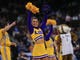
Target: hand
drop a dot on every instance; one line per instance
(14, 23)
(31, 48)
(14, 44)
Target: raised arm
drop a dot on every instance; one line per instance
(30, 27)
(6, 28)
(43, 25)
(47, 36)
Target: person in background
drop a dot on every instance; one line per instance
(5, 42)
(49, 43)
(64, 42)
(22, 56)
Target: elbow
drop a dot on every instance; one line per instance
(46, 38)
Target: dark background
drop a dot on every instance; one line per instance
(64, 5)
(71, 7)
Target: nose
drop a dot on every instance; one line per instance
(35, 22)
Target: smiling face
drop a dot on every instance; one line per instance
(35, 22)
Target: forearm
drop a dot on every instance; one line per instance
(55, 45)
(13, 43)
(24, 57)
(6, 28)
(43, 25)
(30, 27)
(9, 44)
(47, 36)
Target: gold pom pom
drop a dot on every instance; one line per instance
(28, 5)
(51, 21)
(32, 8)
